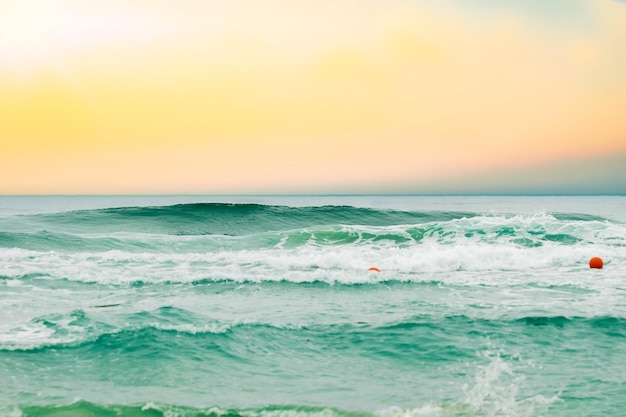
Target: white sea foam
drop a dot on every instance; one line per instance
(31, 336)
(465, 262)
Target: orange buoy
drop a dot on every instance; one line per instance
(596, 262)
(374, 269)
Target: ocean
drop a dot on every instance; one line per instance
(265, 306)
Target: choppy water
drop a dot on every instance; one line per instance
(263, 307)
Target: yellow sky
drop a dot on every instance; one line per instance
(252, 96)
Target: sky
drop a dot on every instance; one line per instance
(312, 96)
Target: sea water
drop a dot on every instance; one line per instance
(266, 307)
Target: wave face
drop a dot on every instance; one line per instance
(480, 308)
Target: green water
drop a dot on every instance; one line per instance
(482, 307)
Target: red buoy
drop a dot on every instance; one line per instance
(374, 269)
(596, 262)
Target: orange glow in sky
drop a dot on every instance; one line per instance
(302, 96)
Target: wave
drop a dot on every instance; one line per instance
(203, 228)
(470, 407)
(85, 408)
(226, 219)
(176, 329)
(244, 219)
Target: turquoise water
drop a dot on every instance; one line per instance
(265, 307)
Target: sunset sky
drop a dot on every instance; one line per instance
(312, 96)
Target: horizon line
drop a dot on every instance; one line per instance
(328, 195)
